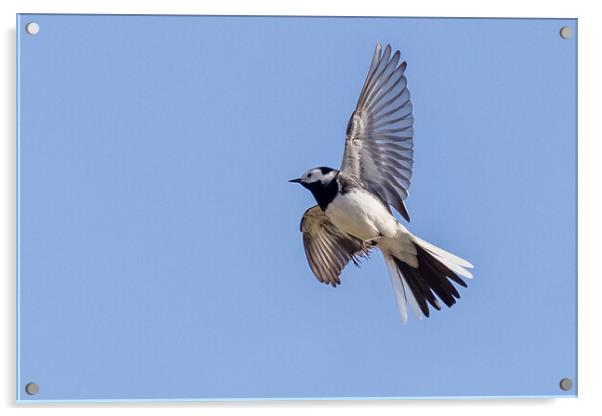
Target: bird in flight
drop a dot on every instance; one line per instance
(353, 212)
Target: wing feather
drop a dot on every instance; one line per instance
(379, 144)
(328, 250)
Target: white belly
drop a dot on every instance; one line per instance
(362, 215)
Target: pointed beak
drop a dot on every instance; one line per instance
(298, 180)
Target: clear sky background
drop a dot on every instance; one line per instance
(159, 252)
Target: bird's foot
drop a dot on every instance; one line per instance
(368, 244)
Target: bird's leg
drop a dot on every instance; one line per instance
(368, 244)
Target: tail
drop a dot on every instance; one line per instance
(431, 272)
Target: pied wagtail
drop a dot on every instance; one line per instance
(353, 212)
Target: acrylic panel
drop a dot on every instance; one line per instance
(159, 248)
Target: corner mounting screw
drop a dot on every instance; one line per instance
(565, 32)
(32, 28)
(566, 384)
(32, 389)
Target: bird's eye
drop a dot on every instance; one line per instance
(309, 175)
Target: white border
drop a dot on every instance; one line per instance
(590, 276)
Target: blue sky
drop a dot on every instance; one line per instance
(160, 253)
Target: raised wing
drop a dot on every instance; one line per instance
(379, 144)
(328, 250)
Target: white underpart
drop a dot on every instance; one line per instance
(362, 215)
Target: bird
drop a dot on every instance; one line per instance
(353, 213)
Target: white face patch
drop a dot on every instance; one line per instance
(315, 175)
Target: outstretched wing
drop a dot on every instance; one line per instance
(379, 143)
(328, 250)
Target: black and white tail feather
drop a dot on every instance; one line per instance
(417, 286)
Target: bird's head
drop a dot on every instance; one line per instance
(316, 178)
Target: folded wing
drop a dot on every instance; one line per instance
(328, 250)
(379, 142)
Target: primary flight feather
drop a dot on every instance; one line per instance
(353, 213)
